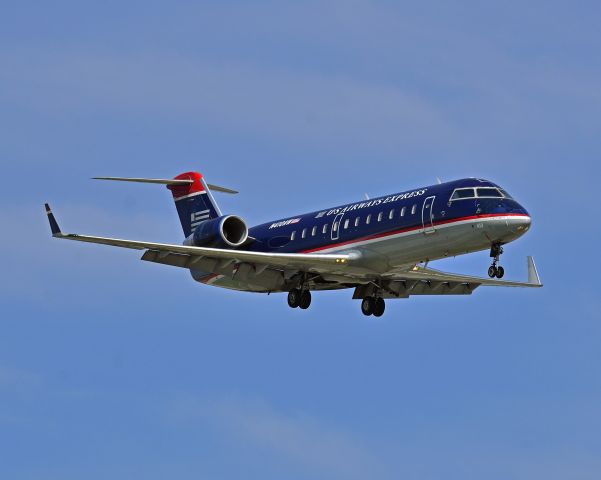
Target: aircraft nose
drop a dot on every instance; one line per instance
(520, 224)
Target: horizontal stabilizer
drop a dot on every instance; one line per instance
(161, 181)
(217, 188)
(166, 181)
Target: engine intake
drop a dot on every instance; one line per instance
(228, 231)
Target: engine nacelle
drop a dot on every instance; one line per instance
(228, 231)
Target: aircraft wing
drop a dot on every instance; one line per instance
(428, 281)
(189, 255)
(431, 275)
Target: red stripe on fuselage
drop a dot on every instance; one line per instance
(404, 230)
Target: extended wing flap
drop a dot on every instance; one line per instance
(167, 258)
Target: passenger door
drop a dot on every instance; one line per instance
(336, 224)
(428, 215)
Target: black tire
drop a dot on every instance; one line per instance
(305, 299)
(492, 271)
(294, 298)
(500, 272)
(379, 307)
(367, 306)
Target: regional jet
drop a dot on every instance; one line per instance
(378, 247)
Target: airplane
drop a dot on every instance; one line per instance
(379, 247)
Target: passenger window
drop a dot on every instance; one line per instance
(462, 193)
(413, 208)
(391, 214)
(293, 236)
(403, 211)
(357, 221)
(346, 222)
(489, 193)
(325, 228)
(314, 231)
(380, 217)
(304, 234)
(368, 219)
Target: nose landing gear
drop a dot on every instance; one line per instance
(496, 270)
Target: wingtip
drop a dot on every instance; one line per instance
(533, 277)
(54, 228)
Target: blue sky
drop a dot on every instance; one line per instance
(111, 367)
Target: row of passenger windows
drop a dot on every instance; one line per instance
(347, 223)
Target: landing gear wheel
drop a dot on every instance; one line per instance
(367, 306)
(496, 250)
(379, 307)
(294, 298)
(305, 299)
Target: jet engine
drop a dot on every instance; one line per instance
(228, 231)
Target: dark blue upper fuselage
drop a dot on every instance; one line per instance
(414, 209)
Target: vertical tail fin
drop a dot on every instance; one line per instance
(192, 195)
(194, 201)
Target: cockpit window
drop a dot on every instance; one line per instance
(489, 193)
(462, 193)
(505, 194)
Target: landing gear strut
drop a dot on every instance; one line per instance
(496, 270)
(299, 298)
(373, 306)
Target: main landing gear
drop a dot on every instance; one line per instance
(373, 306)
(496, 270)
(299, 298)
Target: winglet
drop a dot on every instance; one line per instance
(533, 277)
(54, 228)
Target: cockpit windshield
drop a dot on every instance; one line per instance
(489, 193)
(463, 193)
(479, 192)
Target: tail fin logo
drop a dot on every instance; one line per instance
(193, 201)
(197, 217)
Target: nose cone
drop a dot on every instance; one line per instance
(519, 224)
